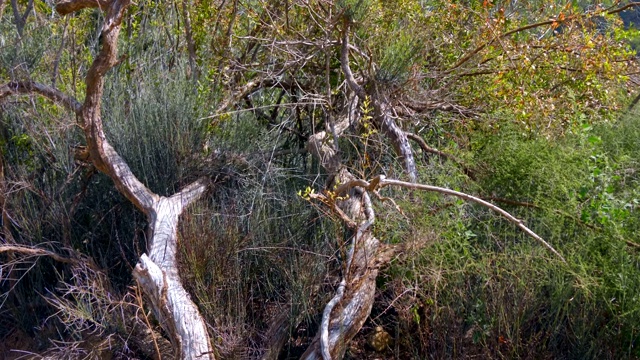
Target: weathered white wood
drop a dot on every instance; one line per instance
(325, 343)
(382, 110)
(157, 272)
(345, 314)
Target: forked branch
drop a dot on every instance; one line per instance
(380, 181)
(383, 110)
(156, 272)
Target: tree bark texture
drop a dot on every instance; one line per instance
(345, 314)
(382, 110)
(348, 310)
(158, 276)
(156, 272)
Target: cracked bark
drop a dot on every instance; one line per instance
(345, 314)
(156, 271)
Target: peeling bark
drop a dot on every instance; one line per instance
(345, 314)
(156, 272)
(158, 276)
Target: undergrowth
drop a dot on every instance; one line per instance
(483, 288)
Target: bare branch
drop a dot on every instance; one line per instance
(344, 62)
(243, 92)
(33, 251)
(345, 314)
(380, 181)
(426, 148)
(104, 157)
(191, 192)
(30, 87)
(65, 7)
(326, 316)
(623, 8)
(519, 223)
(56, 61)
(383, 111)
(467, 57)
(319, 146)
(21, 20)
(157, 273)
(250, 88)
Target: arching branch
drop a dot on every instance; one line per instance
(104, 157)
(380, 181)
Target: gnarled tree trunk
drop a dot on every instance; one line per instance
(158, 275)
(345, 314)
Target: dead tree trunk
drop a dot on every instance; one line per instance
(156, 272)
(158, 276)
(345, 314)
